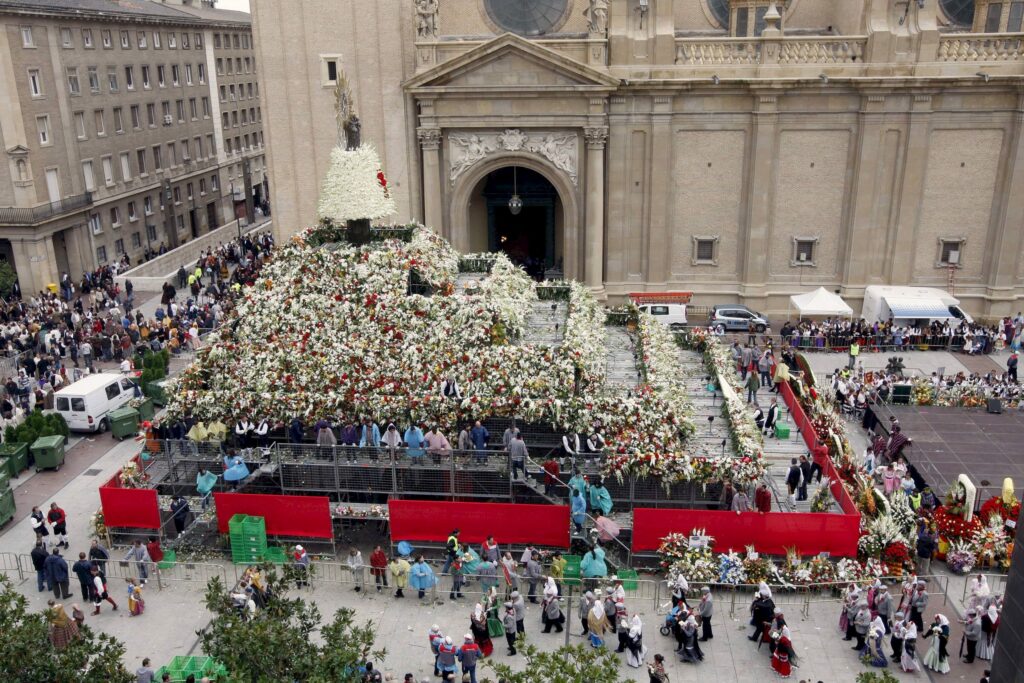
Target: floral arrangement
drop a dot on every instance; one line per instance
(659, 363)
(374, 511)
(731, 569)
(697, 564)
(902, 514)
(878, 535)
(991, 542)
(960, 558)
(996, 505)
(584, 340)
(352, 190)
(956, 500)
(896, 556)
(97, 525)
(954, 527)
(822, 500)
(132, 477)
(757, 568)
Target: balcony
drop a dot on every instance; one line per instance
(10, 215)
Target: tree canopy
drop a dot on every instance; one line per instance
(567, 664)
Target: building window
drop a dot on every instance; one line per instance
(142, 40)
(136, 118)
(1016, 18)
(193, 108)
(220, 66)
(118, 120)
(65, 37)
(119, 246)
(223, 93)
(231, 92)
(115, 217)
(231, 67)
(210, 146)
(136, 240)
(202, 73)
(226, 120)
(803, 251)
(995, 11)
(951, 252)
(184, 41)
(95, 223)
(87, 174)
(172, 40)
(180, 105)
(151, 114)
(101, 252)
(206, 107)
(157, 158)
(245, 42)
(80, 132)
(126, 40)
(27, 39)
(227, 145)
(166, 110)
(172, 155)
(245, 117)
(185, 155)
(73, 86)
(214, 183)
(332, 71)
(216, 40)
(101, 126)
(94, 80)
(705, 251)
(126, 166)
(234, 40)
(141, 159)
(160, 75)
(43, 126)
(35, 83)
(246, 61)
(129, 77)
(199, 148)
(188, 74)
(199, 41)
(132, 213)
(112, 79)
(145, 78)
(151, 232)
(147, 205)
(156, 40)
(202, 186)
(105, 37)
(175, 75)
(180, 222)
(108, 170)
(87, 38)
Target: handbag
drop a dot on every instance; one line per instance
(495, 628)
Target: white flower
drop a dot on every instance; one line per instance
(351, 190)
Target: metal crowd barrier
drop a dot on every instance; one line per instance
(996, 585)
(119, 569)
(10, 564)
(841, 343)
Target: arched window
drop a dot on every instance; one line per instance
(527, 17)
(959, 11)
(22, 169)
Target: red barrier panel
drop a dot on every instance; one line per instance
(295, 516)
(136, 508)
(810, 532)
(423, 520)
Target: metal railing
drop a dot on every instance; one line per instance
(10, 215)
(996, 585)
(10, 564)
(177, 572)
(840, 343)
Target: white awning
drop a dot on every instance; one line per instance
(820, 302)
(914, 308)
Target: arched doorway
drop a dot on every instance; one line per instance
(532, 238)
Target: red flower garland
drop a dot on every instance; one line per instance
(995, 505)
(954, 527)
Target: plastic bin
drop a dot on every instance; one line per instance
(48, 452)
(146, 410)
(276, 555)
(5, 479)
(123, 422)
(170, 557)
(156, 392)
(628, 577)
(6, 506)
(781, 431)
(17, 457)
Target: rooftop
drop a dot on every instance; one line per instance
(131, 9)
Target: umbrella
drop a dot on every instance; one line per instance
(607, 529)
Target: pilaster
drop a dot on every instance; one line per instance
(755, 234)
(430, 147)
(659, 245)
(901, 260)
(596, 138)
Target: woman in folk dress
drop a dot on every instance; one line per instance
(937, 657)
(136, 605)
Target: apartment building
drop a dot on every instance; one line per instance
(111, 119)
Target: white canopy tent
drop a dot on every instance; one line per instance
(820, 302)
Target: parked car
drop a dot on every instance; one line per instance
(734, 317)
(86, 403)
(673, 315)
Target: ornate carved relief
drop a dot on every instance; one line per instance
(561, 148)
(430, 138)
(596, 137)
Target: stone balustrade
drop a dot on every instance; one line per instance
(823, 50)
(716, 51)
(982, 47)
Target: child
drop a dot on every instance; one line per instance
(136, 605)
(77, 614)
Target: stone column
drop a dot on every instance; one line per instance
(900, 261)
(761, 183)
(594, 262)
(430, 145)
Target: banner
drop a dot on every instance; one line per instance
(293, 516)
(135, 508)
(810, 532)
(427, 520)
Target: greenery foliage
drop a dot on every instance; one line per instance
(36, 425)
(7, 278)
(27, 657)
(567, 664)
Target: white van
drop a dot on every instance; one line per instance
(911, 304)
(673, 315)
(86, 403)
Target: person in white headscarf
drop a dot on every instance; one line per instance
(679, 588)
(550, 588)
(908, 660)
(989, 625)
(636, 652)
(979, 593)
(597, 623)
(937, 657)
(764, 590)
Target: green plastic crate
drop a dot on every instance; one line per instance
(275, 555)
(628, 577)
(170, 557)
(180, 667)
(781, 431)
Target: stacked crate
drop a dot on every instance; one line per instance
(248, 537)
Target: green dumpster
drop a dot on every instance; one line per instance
(146, 409)
(6, 506)
(155, 391)
(48, 452)
(124, 422)
(5, 479)
(17, 457)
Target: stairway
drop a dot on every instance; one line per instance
(621, 371)
(464, 279)
(709, 435)
(545, 325)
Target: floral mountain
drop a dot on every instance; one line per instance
(332, 330)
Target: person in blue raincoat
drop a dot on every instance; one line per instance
(422, 577)
(205, 481)
(600, 499)
(415, 440)
(593, 567)
(579, 509)
(235, 469)
(578, 482)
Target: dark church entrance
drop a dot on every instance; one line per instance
(530, 237)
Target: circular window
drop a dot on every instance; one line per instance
(527, 17)
(720, 10)
(959, 11)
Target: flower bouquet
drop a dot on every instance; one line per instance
(731, 569)
(757, 568)
(97, 525)
(960, 557)
(990, 543)
(996, 505)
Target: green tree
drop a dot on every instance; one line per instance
(7, 278)
(27, 657)
(567, 664)
(278, 644)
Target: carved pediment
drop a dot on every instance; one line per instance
(17, 151)
(511, 62)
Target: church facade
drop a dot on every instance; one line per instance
(743, 150)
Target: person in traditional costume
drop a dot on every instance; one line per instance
(875, 652)
(989, 626)
(978, 592)
(63, 629)
(762, 611)
(597, 624)
(478, 627)
(551, 610)
(908, 660)
(937, 657)
(690, 651)
(136, 605)
(781, 656)
(850, 598)
(894, 446)
(635, 645)
(899, 631)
